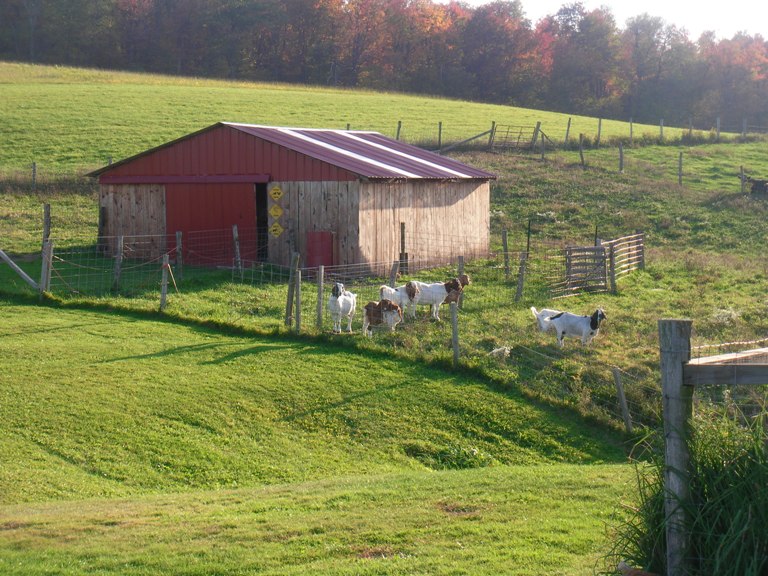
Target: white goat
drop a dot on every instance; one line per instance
(542, 316)
(500, 354)
(573, 326)
(404, 296)
(341, 304)
(383, 312)
(435, 294)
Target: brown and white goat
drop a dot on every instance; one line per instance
(404, 296)
(438, 293)
(384, 312)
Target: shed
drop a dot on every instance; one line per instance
(338, 197)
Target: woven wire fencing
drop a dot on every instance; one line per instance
(210, 275)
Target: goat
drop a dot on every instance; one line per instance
(402, 295)
(382, 312)
(584, 327)
(500, 353)
(435, 294)
(543, 315)
(341, 304)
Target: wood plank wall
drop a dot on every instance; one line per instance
(443, 220)
(136, 212)
(315, 206)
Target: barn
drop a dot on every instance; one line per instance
(337, 197)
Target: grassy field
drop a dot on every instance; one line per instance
(71, 120)
(114, 430)
(212, 441)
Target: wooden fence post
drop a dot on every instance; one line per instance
(320, 286)
(535, 135)
(393, 273)
(581, 149)
(460, 272)
(297, 292)
(567, 132)
(291, 287)
(505, 247)
(164, 282)
(492, 136)
(46, 223)
(612, 266)
(677, 403)
(455, 333)
(641, 248)
(179, 257)
(599, 132)
(236, 244)
(439, 137)
(118, 264)
(521, 276)
(622, 399)
(45, 273)
(403, 252)
(399, 126)
(680, 169)
(621, 158)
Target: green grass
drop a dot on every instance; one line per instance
(67, 119)
(517, 520)
(306, 441)
(132, 420)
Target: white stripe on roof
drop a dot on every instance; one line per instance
(404, 155)
(347, 153)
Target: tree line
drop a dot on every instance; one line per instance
(575, 60)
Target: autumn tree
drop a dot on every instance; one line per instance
(585, 61)
(499, 51)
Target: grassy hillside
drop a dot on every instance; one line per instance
(362, 451)
(71, 120)
(232, 449)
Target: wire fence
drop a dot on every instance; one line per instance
(208, 266)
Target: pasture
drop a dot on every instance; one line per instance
(133, 446)
(70, 120)
(210, 439)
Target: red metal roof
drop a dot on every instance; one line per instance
(367, 154)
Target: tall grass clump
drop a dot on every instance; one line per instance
(728, 507)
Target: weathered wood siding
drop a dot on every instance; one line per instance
(443, 220)
(136, 212)
(314, 206)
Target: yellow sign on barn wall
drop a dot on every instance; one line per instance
(276, 193)
(276, 229)
(276, 211)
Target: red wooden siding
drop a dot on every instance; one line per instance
(213, 209)
(225, 151)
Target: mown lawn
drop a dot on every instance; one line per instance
(138, 446)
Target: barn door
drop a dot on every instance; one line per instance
(262, 223)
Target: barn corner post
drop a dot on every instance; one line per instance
(677, 407)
